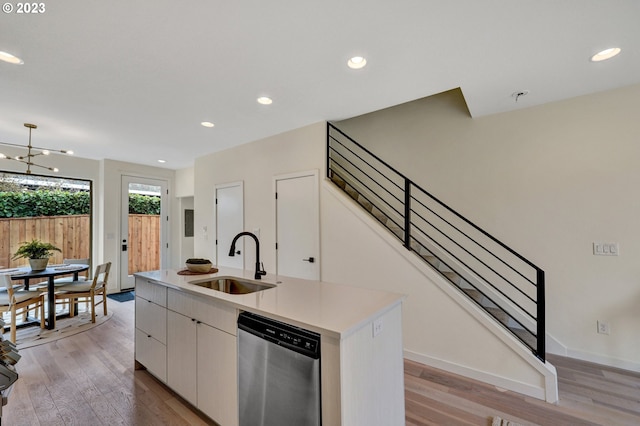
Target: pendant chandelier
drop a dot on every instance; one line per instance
(32, 151)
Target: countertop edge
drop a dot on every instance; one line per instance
(384, 301)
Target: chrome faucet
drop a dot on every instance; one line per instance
(232, 251)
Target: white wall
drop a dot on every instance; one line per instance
(548, 181)
(185, 249)
(184, 182)
(353, 254)
(256, 164)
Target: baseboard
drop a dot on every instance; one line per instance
(601, 359)
(555, 347)
(500, 382)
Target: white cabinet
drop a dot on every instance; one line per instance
(151, 327)
(151, 354)
(217, 375)
(202, 355)
(181, 356)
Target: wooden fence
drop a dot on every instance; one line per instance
(71, 235)
(144, 242)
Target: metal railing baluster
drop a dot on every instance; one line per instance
(467, 243)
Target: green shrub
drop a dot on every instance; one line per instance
(64, 203)
(144, 204)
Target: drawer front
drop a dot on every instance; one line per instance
(151, 319)
(152, 291)
(209, 311)
(152, 354)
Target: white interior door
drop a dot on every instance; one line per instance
(229, 213)
(297, 225)
(136, 253)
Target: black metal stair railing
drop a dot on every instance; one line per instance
(502, 282)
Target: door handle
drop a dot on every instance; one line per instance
(310, 260)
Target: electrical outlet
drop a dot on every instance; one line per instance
(377, 326)
(603, 327)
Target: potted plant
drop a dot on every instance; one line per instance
(37, 252)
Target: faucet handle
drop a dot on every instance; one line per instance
(262, 271)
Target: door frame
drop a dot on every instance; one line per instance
(126, 281)
(315, 173)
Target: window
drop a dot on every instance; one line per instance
(51, 209)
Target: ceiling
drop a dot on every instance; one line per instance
(132, 80)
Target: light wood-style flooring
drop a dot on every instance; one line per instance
(89, 379)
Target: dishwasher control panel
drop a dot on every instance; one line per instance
(294, 338)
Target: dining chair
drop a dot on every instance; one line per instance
(58, 282)
(66, 280)
(19, 302)
(86, 291)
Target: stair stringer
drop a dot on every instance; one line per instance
(518, 321)
(549, 392)
(476, 282)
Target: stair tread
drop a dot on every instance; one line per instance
(498, 314)
(451, 276)
(474, 294)
(338, 181)
(529, 338)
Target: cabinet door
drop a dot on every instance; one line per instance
(217, 375)
(151, 319)
(152, 291)
(217, 314)
(181, 355)
(152, 354)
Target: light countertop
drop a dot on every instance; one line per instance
(326, 308)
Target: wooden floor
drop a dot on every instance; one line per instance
(89, 379)
(590, 394)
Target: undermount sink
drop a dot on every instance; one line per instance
(232, 285)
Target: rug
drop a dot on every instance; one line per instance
(27, 337)
(122, 297)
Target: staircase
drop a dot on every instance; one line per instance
(508, 287)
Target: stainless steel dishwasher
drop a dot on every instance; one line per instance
(278, 373)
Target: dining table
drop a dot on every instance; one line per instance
(50, 273)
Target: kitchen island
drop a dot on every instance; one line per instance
(186, 337)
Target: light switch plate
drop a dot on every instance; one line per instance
(606, 249)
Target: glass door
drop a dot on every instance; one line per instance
(143, 236)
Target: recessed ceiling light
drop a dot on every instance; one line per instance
(357, 62)
(265, 100)
(8, 57)
(605, 54)
(207, 124)
(162, 161)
